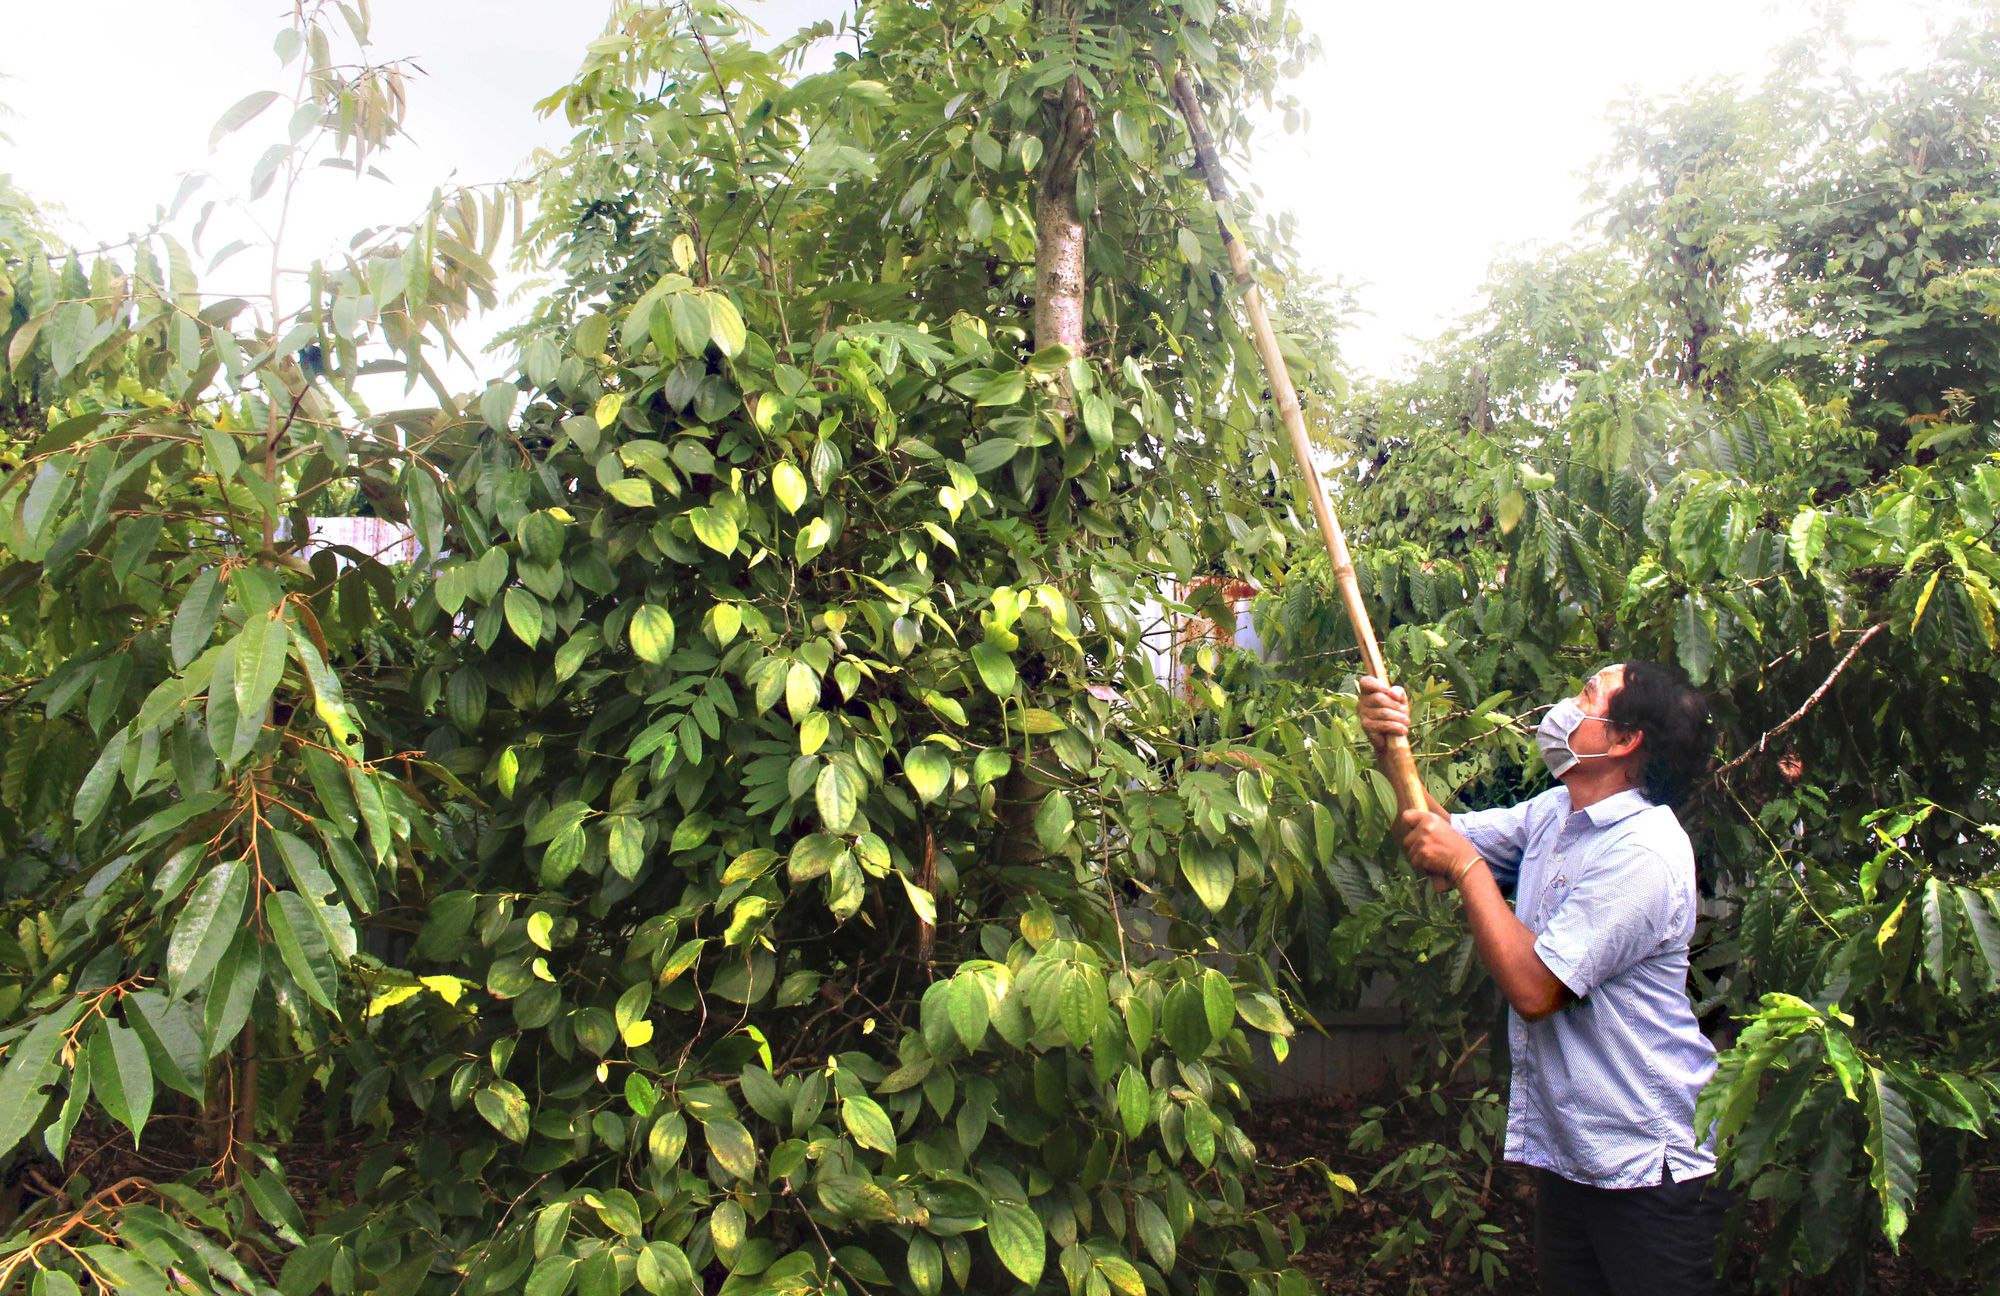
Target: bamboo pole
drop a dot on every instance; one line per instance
(1397, 761)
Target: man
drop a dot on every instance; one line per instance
(1593, 958)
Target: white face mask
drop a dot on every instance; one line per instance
(1553, 735)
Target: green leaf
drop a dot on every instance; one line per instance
(1210, 870)
(260, 663)
(206, 925)
(274, 1203)
(854, 1197)
(505, 1108)
(1003, 389)
(966, 1008)
(926, 1263)
(929, 771)
(1135, 1103)
(1218, 1001)
(733, 1148)
(1185, 1021)
(302, 945)
(869, 1124)
(996, 669)
(1018, 1240)
(1892, 1153)
(837, 791)
(652, 633)
(33, 1063)
(1694, 638)
(714, 528)
(94, 793)
(194, 623)
(329, 703)
(173, 1044)
(121, 1077)
(1190, 245)
(1053, 821)
(1155, 1233)
(1081, 1003)
(524, 615)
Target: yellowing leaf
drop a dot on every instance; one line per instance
(652, 633)
(725, 323)
(788, 485)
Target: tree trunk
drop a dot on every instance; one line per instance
(1059, 239)
(1059, 286)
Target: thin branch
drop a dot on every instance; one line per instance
(1757, 748)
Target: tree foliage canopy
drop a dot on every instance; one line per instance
(1749, 429)
(749, 846)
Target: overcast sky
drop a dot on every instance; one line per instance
(1442, 134)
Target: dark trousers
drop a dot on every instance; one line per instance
(1658, 1241)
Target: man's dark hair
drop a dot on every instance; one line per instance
(1659, 702)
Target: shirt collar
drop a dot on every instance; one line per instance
(1617, 806)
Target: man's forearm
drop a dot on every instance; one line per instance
(1507, 948)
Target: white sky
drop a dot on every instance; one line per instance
(1443, 133)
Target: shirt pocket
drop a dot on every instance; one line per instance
(1554, 892)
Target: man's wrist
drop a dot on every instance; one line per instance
(1458, 874)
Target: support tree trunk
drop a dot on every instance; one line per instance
(1058, 319)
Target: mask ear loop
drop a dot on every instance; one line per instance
(1584, 756)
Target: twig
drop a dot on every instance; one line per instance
(1757, 748)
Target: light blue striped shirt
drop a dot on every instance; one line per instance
(1604, 1089)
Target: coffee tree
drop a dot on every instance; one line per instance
(749, 847)
(1749, 430)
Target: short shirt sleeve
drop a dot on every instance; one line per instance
(1501, 837)
(1617, 913)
